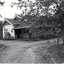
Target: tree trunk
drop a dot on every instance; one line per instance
(62, 30)
(62, 27)
(63, 39)
(45, 33)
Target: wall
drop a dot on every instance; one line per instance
(26, 35)
(37, 32)
(1, 32)
(9, 29)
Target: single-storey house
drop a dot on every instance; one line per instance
(8, 26)
(32, 27)
(26, 27)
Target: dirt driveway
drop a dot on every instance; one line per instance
(25, 52)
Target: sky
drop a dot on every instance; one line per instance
(8, 12)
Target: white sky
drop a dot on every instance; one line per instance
(7, 11)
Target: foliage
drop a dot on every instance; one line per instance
(40, 7)
(7, 35)
(1, 3)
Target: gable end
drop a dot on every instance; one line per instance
(6, 23)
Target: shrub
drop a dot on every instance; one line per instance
(7, 35)
(12, 38)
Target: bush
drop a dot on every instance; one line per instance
(7, 36)
(12, 38)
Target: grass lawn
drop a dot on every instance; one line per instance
(57, 52)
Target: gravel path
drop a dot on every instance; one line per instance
(24, 52)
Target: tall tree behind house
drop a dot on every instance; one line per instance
(61, 10)
(1, 22)
(1, 30)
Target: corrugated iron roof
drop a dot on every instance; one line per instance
(32, 21)
(14, 22)
(29, 21)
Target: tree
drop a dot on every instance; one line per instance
(1, 4)
(61, 10)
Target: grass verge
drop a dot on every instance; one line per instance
(57, 52)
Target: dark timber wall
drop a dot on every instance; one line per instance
(1, 30)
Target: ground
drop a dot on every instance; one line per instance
(26, 51)
(57, 52)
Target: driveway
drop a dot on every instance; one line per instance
(25, 52)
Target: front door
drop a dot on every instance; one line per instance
(18, 32)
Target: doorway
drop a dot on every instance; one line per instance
(18, 33)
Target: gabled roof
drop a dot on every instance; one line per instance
(19, 16)
(12, 21)
(33, 21)
(23, 25)
(6, 23)
(26, 22)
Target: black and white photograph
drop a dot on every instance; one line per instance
(32, 31)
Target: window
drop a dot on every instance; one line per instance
(5, 30)
(27, 31)
(46, 29)
(24, 30)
